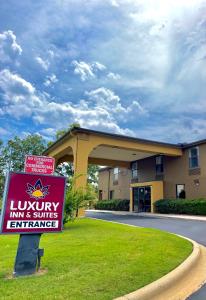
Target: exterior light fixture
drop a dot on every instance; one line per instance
(197, 182)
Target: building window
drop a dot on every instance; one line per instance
(180, 191)
(100, 194)
(116, 175)
(194, 157)
(111, 195)
(159, 165)
(134, 168)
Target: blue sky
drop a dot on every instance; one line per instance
(130, 67)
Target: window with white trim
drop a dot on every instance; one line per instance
(194, 157)
(134, 167)
(116, 174)
(180, 191)
(159, 164)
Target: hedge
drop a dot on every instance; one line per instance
(181, 206)
(114, 204)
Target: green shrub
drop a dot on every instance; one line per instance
(76, 199)
(115, 204)
(181, 206)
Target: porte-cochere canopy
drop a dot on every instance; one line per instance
(82, 146)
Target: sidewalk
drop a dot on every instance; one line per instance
(150, 215)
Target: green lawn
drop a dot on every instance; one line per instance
(93, 260)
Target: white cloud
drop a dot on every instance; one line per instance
(158, 47)
(108, 100)
(114, 76)
(19, 95)
(84, 70)
(10, 82)
(104, 97)
(169, 131)
(51, 53)
(135, 106)
(87, 70)
(158, 50)
(49, 132)
(43, 63)
(102, 111)
(114, 3)
(9, 48)
(97, 66)
(50, 79)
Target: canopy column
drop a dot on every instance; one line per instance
(81, 153)
(80, 165)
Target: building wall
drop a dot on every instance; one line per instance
(103, 182)
(120, 189)
(176, 171)
(146, 169)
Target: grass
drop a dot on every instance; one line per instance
(93, 260)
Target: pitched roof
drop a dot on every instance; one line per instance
(124, 137)
(112, 135)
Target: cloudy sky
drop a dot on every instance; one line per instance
(134, 67)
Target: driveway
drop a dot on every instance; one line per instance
(193, 229)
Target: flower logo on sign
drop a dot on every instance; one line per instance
(37, 191)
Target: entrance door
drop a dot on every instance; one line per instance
(135, 199)
(147, 199)
(142, 199)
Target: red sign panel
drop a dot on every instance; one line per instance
(39, 164)
(33, 203)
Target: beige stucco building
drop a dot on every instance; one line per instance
(114, 183)
(139, 169)
(173, 177)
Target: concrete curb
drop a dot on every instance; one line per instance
(179, 283)
(151, 215)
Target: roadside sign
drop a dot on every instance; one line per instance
(33, 203)
(39, 164)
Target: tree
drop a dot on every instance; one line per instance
(12, 155)
(14, 151)
(2, 177)
(62, 132)
(93, 174)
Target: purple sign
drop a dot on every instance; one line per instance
(33, 203)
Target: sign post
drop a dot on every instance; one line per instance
(33, 204)
(27, 256)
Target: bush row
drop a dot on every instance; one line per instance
(114, 204)
(181, 206)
